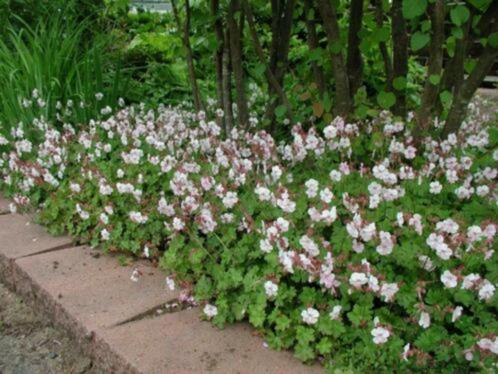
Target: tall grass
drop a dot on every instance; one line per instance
(56, 58)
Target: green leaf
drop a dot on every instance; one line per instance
(399, 83)
(280, 110)
(413, 8)
(459, 15)
(435, 79)
(419, 40)
(386, 99)
(493, 40)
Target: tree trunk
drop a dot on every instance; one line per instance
(318, 74)
(354, 60)
(279, 51)
(227, 84)
(236, 57)
(431, 90)
(218, 55)
(400, 54)
(469, 87)
(388, 67)
(259, 52)
(453, 74)
(188, 51)
(343, 103)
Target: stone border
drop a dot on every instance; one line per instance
(125, 326)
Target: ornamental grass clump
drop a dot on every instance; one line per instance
(353, 244)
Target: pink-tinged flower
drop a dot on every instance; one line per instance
(380, 335)
(448, 279)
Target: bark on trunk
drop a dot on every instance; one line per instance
(236, 57)
(343, 103)
(400, 54)
(283, 11)
(218, 55)
(188, 51)
(272, 81)
(227, 84)
(388, 67)
(318, 74)
(431, 90)
(354, 60)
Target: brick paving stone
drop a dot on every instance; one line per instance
(181, 343)
(20, 237)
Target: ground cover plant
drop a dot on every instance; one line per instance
(282, 190)
(357, 247)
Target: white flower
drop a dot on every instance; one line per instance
(406, 349)
(265, 246)
(178, 224)
(380, 335)
(146, 252)
(489, 345)
(271, 289)
(210, 310)
(105, 235)
(170, 283)
(449, 280)
(435, 188)
(309, 246)
(336, 312)
(386, 244)
(310, 316)
(358, 279)
(138, 217)
(135, 275)
(230, 199)
(335, 175)
(425, 320)
(311, 188)
(487, 290)
(388, 291)
(457, 313)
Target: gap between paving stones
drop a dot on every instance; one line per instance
(116, 321)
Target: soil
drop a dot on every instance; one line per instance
(30, 344)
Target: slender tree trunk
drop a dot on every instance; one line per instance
(343, 103)
(227, 84)
(279, 50)
(259, 52)
(188, 51)
(400, 54)
(218, 55)
(469, 87)
(453, 74)
(431, 90)
(236, 58)
(388, 67)
(354, 59)
(318, 74)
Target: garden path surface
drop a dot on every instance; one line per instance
(30, 344)
(123, 326)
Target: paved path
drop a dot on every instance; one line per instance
(118, 322)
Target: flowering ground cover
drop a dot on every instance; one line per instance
(352, 244)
